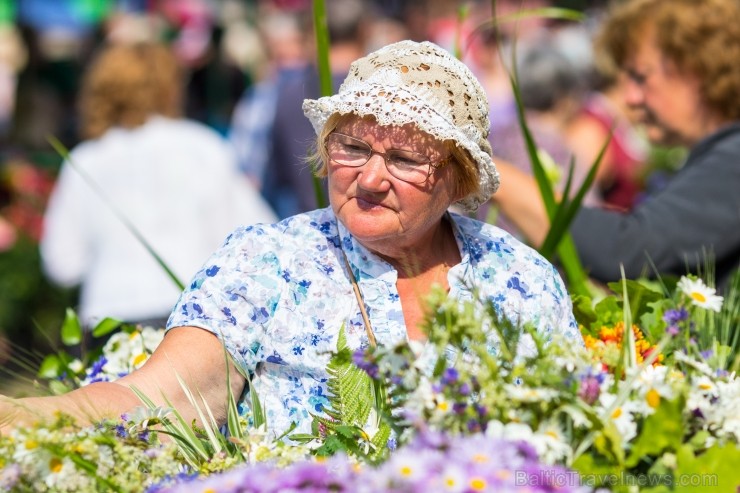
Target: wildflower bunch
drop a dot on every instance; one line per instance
(127, 349)
(430, 462)
(60, 456)
(646, 421)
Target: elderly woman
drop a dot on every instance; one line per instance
(403, 140)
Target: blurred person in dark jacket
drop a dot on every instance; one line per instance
(680, 60)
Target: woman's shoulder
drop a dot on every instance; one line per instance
(492, 247)
(313, 228)
(482, 232)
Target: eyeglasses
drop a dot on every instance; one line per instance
(407, 166)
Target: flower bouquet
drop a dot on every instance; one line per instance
(484, 405)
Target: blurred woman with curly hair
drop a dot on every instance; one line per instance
(680, 58)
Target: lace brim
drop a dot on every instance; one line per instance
(395, 105)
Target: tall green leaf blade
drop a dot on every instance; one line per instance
(64, 153)
(567, 252)
(325, 80)
(561, 222)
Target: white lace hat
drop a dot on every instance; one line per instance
(423, 84)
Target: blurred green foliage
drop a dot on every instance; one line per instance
(31, 308)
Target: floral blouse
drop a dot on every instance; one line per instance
(278, 294)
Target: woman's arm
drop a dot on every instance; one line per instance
(194, 354)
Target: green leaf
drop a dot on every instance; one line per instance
(594, 468)
(57, 387)
(71, 328)
(715, 469)
(583, 310)
(640, 296)
(353, 395)
(662, 432)
(50, 367)
(106, 326)
(651, 321)
(608, 312)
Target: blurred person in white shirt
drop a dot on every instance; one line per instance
(175, 180)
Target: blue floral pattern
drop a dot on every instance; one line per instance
(278, 294)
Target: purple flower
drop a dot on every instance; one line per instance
(121, 431)
(97, 367)
(481, 410)
(449, 376)
(488, 464)
(589, 389)
(463, 389)
(673, 317)
(10, 476)
(363, 361)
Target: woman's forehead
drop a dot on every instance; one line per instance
(368, 128)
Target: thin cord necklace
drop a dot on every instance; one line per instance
(360, 300)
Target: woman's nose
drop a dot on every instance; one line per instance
(633, 93)
(374, 174)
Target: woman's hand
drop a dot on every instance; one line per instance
(188, 354)
(520, 200)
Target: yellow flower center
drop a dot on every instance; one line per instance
(503, 474)
(443, 406)
(406, 471)
(653, 398)
(31, 444)
(55, 465)
(617, 413)
(480, 458)
(698, 297)
(139, 359)
(478, 484)
(702, 386)
(450, 482)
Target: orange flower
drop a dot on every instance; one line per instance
(609, 343)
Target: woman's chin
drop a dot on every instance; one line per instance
(371, 225)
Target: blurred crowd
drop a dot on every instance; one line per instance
(245, 68)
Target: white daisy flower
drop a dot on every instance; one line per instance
(551, 443)
(508, 431)
(700, 294)
(622, 416)
(152, 338)
(530, 394)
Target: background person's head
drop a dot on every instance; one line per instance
(126, 84)
(681, 57)
(423, 85)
